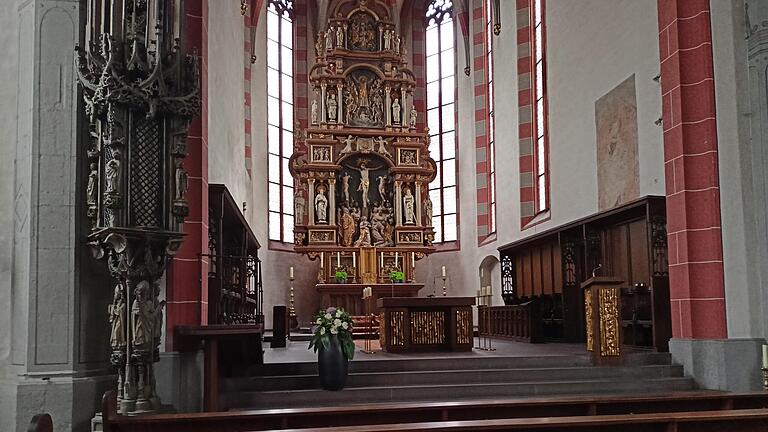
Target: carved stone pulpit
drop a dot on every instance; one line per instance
(602, 315)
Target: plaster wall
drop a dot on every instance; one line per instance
(226, 65)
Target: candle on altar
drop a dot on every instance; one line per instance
(382, 260)
(395, 259)
(291, 272)
(338, 259)
(765, 356)
(354, 260)
(321, 259)
(443, 271)
(413, 259)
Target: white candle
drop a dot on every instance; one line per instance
(765, 356)
(395, 259)
(382, 260)
(413, 259)
(338, 259)
(291, 272)
(321, 259)
(443, 271)
(354, 260)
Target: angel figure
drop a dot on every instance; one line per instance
(382, 150)
(347, 144)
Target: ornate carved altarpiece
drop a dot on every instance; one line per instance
(362, 167)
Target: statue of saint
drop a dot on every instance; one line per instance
(328, 40)
(414, 117)
(428, 211)
(332, 108)
(382, 150)
(365, 181)
(319, 45)
(314, 111)
(339, 36)
(182, 181)
(396, 111)
(117, 319)
(362, 91)
(396, 42)
(321, 205)
(347, 227)
(347, 144)
(365, 234)
(387, 40)
(144, 317)
(382, 187)
(345, 186)
(112, 174)
(408, 207)
(299, 206)
(93, 184)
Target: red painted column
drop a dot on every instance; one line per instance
(697, 287)
(187, 291)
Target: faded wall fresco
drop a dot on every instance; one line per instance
(618, 168)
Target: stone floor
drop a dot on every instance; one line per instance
(296, 351)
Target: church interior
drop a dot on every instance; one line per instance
(379, 215)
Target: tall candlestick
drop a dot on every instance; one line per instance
(443, 271)
(291, 272)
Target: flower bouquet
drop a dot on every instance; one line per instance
(341, 276)
(397, 276)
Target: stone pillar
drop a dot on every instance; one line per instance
(332, 201)
(404, 110)
(697, 289)
(398, 203)
(323, 110)
(340, 104)
(311, 201)
(417, 198)
(53, 323)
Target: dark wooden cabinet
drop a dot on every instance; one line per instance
(627, 242)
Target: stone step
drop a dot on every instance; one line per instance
(469, 362)
(382, 394)
(384, 379)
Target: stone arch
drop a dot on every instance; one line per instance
(489, 275)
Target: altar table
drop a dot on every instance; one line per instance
(419, 324)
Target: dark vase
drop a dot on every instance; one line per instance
(332, 365)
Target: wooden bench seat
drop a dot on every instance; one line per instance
(373, 414)
(696, 421)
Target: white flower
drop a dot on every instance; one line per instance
(338, 313)
(336, 322)
(334, 330)
(322, 330)
(328, 316)
(344, 325)
(319, 321)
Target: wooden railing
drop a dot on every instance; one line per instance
(519, 322)
(579, 413)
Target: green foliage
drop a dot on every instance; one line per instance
(397, 276)
(341, 274)
(333, 325)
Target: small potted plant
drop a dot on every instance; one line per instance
(341, 276)
(332, 341)
(396, 276)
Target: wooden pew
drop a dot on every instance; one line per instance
(455, 411)
(697, 421)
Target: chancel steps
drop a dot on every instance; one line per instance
(290, 385)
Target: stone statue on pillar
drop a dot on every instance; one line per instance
(396, 111)
(321, 205)
(332, 107)
(408, 207)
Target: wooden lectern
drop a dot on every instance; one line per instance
(602, 309)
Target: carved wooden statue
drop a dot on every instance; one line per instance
(332, 108)
(347, 227)
(117, 319)
(408, 207)
(396, 111)
(321, 205)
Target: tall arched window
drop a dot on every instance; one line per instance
(540, 140)
(441, 117)
(491, 119)
(280, 117)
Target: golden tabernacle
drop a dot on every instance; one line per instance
(413, 324)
